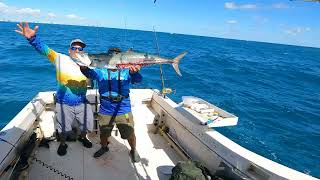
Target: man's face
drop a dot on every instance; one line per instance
(75, 48)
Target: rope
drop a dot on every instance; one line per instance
(51, 168)
(7, 142)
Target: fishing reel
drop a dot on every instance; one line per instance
(168, 91)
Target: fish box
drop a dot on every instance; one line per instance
(207, 113)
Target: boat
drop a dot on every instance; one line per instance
(166, 133)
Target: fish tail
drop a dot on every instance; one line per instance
(176, 61)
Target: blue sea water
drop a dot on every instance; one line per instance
(273, 89)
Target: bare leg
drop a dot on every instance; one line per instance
(104, 140)
(133, 153)
(132, 141)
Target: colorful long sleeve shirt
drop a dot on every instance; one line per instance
(72, 84)
(107, 106)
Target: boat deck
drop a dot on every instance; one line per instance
(157, 157)
(223, 157)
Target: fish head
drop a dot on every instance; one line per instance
(82, 59)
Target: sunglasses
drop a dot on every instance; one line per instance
(75, 48)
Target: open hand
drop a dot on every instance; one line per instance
(134, 68)
(26, 31)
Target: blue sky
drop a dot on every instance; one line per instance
(277, 21)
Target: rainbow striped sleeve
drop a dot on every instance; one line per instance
(43, 49)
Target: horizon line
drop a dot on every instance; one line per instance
(257, 41)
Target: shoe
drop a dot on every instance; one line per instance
(85, 142)
(62, 149)
(134, 156)
(101, 151)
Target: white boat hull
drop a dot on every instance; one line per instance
(218, 153)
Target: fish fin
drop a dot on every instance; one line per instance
(176, 61)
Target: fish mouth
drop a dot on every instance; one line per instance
(83, 59)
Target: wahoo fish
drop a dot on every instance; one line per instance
(121, 60)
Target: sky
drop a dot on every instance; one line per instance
(275, 21)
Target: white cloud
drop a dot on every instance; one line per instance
(52, 15)
(73, 16)
(28, 11)
(2, 5)
(297, 30)
(232, 22)
(13, 13)
(232, 5)
(280, 6)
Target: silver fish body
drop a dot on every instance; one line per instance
(129, 58)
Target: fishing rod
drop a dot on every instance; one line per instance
(164, 90)
(95, 84)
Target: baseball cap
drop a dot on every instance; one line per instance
(83, 45)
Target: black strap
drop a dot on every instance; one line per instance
(115, 112)
(109, 82)
(114, 98)
(119, 83)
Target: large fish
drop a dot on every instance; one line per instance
(125, 59)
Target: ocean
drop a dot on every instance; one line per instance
(274, 89)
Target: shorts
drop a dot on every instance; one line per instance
(67, 115)
(124, 123)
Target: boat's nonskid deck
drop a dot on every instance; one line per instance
(156, 155)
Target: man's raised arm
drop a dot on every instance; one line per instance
(30, 35)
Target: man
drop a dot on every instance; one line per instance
(115, 106)
(72, 87)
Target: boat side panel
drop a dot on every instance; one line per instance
(18, 130)
(197, 140)
(191, 145)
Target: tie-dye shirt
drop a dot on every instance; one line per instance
(72, 84)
